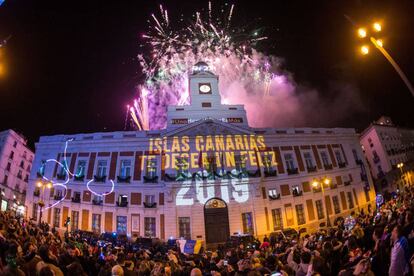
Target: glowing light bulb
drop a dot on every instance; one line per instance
(377, 27)
(326, 181)
(379, 42)
(315, 184)
(362, 32)
(39, 184)
(364, 50)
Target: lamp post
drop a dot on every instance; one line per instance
(41, 202)
(363, 33)
(321, 183)
(400, 166)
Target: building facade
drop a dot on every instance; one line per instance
(385, 146)
(15, 166)
(206, 176)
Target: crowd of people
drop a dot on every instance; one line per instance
(377, 243)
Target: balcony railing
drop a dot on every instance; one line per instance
(150, 204)
(150, 179)
(76, 199)
(99, 178)
(292, 171)
(122, 203)
(270, 173)
(317, 190)
(327, 166)
(79, 178)
(36, 193)
(97, 202)
(274, 197)
(124, 179)
(297, 193)
(61, 176)
(311, 169)
(333, 185)
(342, 165)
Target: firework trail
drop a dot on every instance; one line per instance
(247, 76)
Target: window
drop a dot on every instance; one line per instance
(151, 169)
(273, 194)
(290, 163)
(300, 214)
(267, 162)
(8, 166)
(101, 169)
(81, 168)
(125, 170)
(350, 200)
(11, 156)
(338, 156)
(296, 191)
(205, 104)
(337, 208)
(211, 165)
(184, 228)
(17, 187)
(325, 159)
(319, 209)
(5, 179)
(247, 219)
(122, 200)
(121, 224)
(22, 164)
(97, 199)
(355, 154)
(366, 191)
(96, 223)
(75, 220)
(14, 144)
(76, 197)
(19, 174)
(308, 159)
(149, 227)
(56, 218)
(240, 162)
(63, 169)
(277, 219)
(28, 168)
(26, 178)
(24, 154)
(149, 199)
(41, 171)
(34, 211)
(182, 165)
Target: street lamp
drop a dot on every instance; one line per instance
(379, 44)
(321, 182)
(41, 202)
(400, 166)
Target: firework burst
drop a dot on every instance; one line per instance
(229, 51)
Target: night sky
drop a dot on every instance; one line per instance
(72, 67)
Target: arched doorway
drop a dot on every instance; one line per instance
(216, 221)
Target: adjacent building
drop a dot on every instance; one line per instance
(207, 175)
(386, 145)
(15, 166)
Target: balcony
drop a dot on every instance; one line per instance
(61, 176)
(150, 204)
(79, 178)
(36, 193)
(99, 178)
(317, 190)
(97, 202)
(333, 185)
(327, 166)
(124, 179)
(270, 173)
(311, 169)
(57, 197)
(122, 203)
(255, 173)
(274, 197)
(292, 171)
(150, 179)
(76, 199)
(342, 165)
(297, 193)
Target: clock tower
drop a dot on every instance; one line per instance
(205, 102)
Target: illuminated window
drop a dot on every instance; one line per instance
(247, 219)
(319, 209)
(81, 168)
(149, 199)
(74, 220)
(289, 161)
(277, 219)
(96, 223)
(41, 171)
(267, 162)
(125, 169)
(184, 228)
(273, 194)
(101, 168)
(56, 218)
(308, 159)
(300, 214)
(350, 200)
(121, 224)
(337, 208)
(149, 227)
(325, 158)
(63, 169)
(151, 169)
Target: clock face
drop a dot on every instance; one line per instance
(204, 88)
